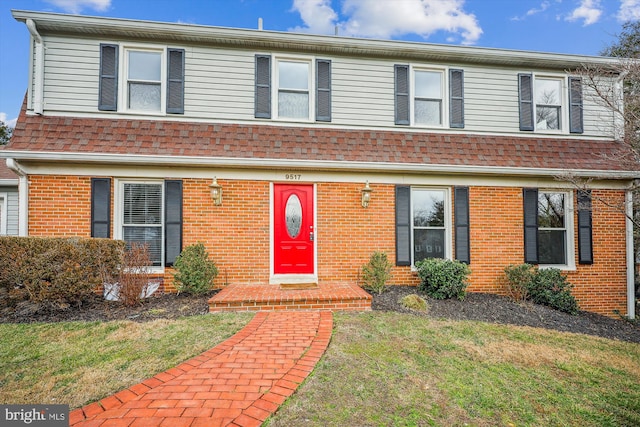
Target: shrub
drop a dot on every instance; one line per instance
(57, 271)
(414, 302)
(550, 287)
(519, 279)
(442, 279)
(376, 272)
(134, 274)
(195, 272)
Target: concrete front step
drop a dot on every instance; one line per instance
(326, 296)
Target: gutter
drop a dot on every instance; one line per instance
(23, 197)
(324, 165)
(631, 291)
(38, 80)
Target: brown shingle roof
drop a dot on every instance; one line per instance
(258, 141)
(5, 172)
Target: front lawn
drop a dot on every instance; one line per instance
(77, 363)
(390, 369)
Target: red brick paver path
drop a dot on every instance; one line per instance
(240, 382)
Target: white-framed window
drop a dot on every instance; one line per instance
(430, 223)
(549, 100)
(144, 79)
(3, 214)
(293, 89)
(555, 228)
(139, 214)
(428, 97)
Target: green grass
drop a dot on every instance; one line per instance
(78, 362)
(384, 369)
(381, 369)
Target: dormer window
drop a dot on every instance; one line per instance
(147, 81)
(293, 89)
(144, 80)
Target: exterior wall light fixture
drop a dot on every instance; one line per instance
(366, 195)
(216, 192)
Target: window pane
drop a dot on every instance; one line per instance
(428, 244)
(293, 105)
(150, 236)
(428, 208)
(428, 84)
(427, 112)
(293, 75)
(547, 117)
(142, 204)
(548, 92)
(551, 210)
(552, 247)
(143, 96)
(145, 65)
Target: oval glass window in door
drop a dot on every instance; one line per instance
(293, 216)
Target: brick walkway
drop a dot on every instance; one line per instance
(240, 382)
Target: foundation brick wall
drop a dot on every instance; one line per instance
(237, 234)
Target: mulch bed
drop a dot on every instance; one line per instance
(479, 307)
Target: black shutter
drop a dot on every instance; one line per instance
(575, 105)
(403, 225)
(263, 87)
(585, 239)
(456, 98)
(172, 220)
(525, 100)
(108, 84)
(402, 94)
(175, 81)
(530, 225)
(463, 247)
(101, 207)
(323, 90)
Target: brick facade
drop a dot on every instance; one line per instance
(237, 233)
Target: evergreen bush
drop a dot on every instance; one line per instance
(443, 278)
(376, 273)
(195, 272)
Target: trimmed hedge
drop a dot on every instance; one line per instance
(443, 278)
(57, 271)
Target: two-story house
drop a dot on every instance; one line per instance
(293, 157)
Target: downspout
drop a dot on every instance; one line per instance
(23, 197)
(38, 81)
(631, 297)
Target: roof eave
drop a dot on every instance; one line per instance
(274, 40)
(317, 165)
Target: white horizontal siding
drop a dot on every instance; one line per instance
(71, 74)
(219, 85)
(12, 209)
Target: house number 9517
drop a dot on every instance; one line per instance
(292, 176)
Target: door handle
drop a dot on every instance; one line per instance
(311, 237)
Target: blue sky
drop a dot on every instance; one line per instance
(564, 26)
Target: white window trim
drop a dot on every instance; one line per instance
(444, 90)
(569, 223)
(564, 100)
(118, 217)
(123, 89)
(448, 231)
(275, 89)
(4, 209)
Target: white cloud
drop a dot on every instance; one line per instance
(388, 19)
(317, 15)
(76, 6)
(629, 10)
(11, 123)
(589, 10)
(543, 6)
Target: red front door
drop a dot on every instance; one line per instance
(293, 229)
